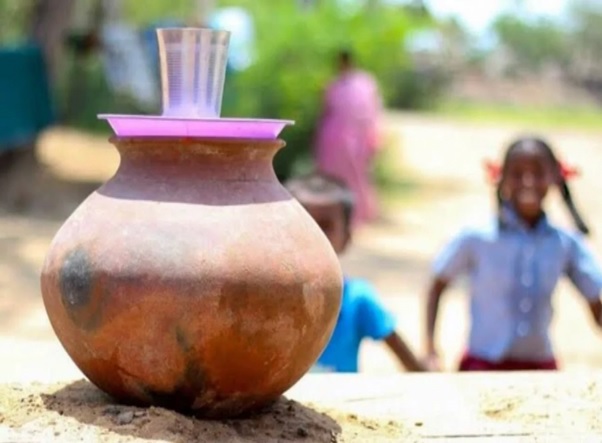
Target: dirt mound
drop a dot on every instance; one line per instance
(80, 412)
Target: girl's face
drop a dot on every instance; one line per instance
(526, 179)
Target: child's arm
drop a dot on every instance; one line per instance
(405, 355)
(435, 291)
(455, 259)
(595, 308)
(378, 323)
(585, 273)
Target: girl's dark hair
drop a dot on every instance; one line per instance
(560, 181)
(345, 56)
(323, 185)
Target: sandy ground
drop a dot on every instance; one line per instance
(443, 156)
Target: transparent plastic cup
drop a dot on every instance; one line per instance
(193, 70)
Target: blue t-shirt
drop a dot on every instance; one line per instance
(362, 315)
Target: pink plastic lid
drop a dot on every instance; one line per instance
(160, 126)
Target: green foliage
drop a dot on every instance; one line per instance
(295, 58)
(142, 13)
(14, 16)
(419, 89)
(585, 119)
(533, 44)
(295, 53)
(574, 46)
(587, 36)
(82, 92)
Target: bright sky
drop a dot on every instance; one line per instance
(477, 15)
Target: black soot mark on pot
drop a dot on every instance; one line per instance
(76, 278)
(192, 384)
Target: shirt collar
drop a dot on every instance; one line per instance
(510, 219)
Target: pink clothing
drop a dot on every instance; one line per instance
(347, 137)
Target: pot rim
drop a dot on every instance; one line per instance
(137, 140)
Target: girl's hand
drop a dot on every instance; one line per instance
(431, 362)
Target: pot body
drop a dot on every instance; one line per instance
(192, 279)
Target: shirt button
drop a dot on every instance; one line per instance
(526, 280)
(523, 329)
(525, 305)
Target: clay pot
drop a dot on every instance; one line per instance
(192, 279)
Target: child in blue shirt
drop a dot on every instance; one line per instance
(362, 315)
(513, 265)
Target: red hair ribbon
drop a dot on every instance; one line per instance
(568, 172)
(494, 171)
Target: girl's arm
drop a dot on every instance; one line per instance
(436, 289)
(595, 308)
(585, 273)
(457, 258)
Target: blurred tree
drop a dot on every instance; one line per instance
(50, 21)
(457, 41)
(83, 44)
(204, 8)
(293, 60)
(418, 8)
(27, 104)
(575, 48)
(534, 44)
(586, 45)
(14, 18)
(587, 38)
(142, 13)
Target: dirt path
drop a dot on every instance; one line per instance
(394, 254)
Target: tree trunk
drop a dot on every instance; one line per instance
(51, 18)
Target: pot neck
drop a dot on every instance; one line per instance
(205, 159)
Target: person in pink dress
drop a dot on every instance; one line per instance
(347, 134)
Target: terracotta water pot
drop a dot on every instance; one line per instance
(192, 279)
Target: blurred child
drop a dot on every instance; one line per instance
(513, 265)
(362, 315)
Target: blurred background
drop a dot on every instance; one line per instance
(515, 59)
(518, 59)
(458, 80)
